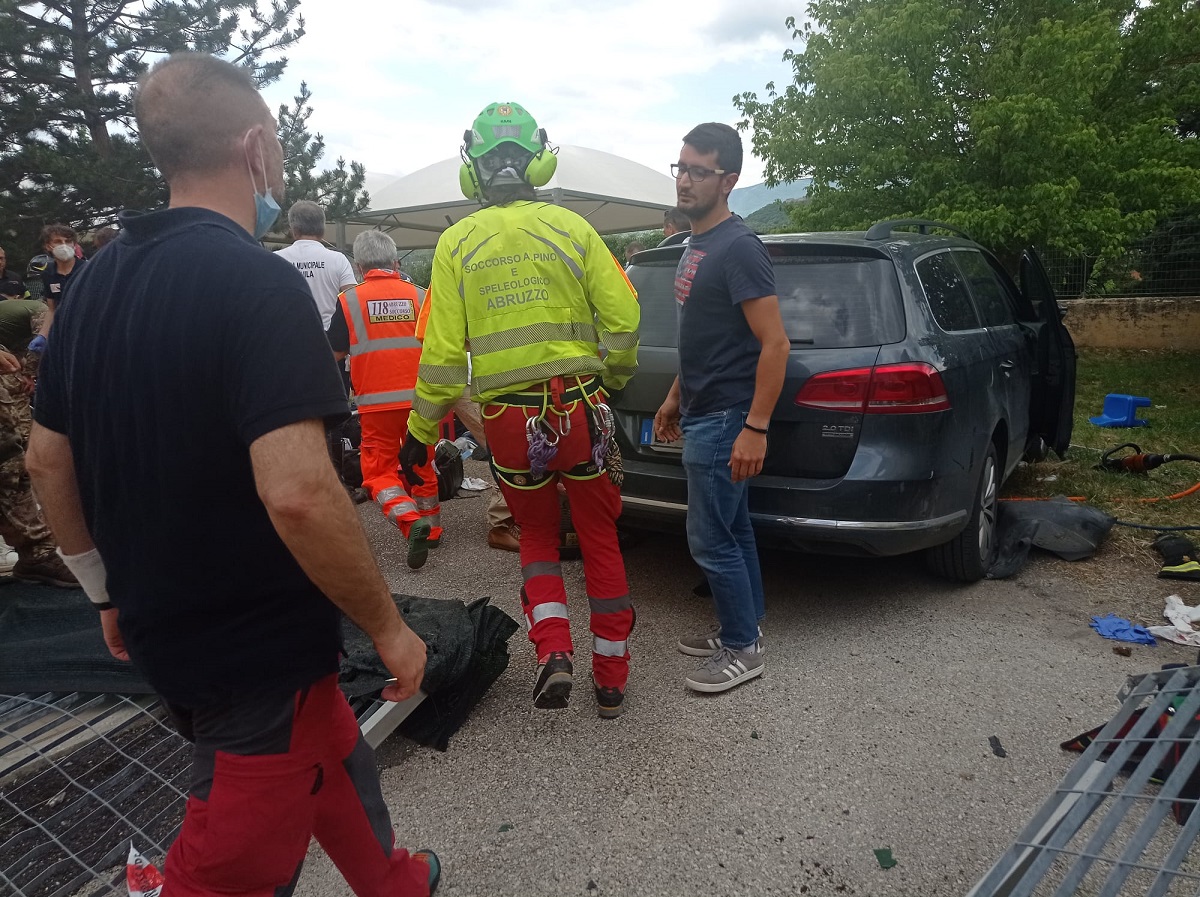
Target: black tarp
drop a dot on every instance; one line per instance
(50, 641)
(467, 650)
(1072, 530)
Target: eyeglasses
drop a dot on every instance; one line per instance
(695, 172)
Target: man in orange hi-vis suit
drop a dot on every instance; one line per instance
(377, 328)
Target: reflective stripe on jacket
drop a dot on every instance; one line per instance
(535, 291)
(381, 315)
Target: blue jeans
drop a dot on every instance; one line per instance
(718, 524)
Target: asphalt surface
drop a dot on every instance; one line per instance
(870, 729)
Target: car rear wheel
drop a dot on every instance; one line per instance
(967, 557)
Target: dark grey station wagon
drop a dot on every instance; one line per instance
(919, 377)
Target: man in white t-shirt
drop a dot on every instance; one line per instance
(326, 272)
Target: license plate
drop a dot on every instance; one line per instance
(653, 442)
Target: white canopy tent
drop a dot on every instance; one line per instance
(614, 194)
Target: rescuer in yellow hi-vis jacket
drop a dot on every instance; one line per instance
(535, 292)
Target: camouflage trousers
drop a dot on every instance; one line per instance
(21, 522)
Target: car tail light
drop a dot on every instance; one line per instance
(910, 388)
(836, 390)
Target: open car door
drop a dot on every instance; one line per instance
(1052, 404)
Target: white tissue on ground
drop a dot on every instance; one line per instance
(1182, 617)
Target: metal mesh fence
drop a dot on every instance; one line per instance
(81, 776)
(1164, 264)
(1124, 818)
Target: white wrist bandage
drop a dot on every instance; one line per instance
(89, 570)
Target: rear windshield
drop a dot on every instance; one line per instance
(827, 302)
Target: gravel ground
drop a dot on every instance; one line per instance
(870, 729)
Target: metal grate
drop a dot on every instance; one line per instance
(81, 776)
(1097, 837)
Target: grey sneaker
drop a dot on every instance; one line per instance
(710, 643)
(725, 670)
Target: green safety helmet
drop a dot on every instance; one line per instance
(504, 146)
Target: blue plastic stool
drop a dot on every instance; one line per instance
(1120, 410)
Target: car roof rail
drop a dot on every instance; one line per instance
(883, 229)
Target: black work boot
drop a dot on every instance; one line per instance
(553, 688)
(610, 702)
(1179, 558)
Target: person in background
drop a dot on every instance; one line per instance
(632, 249)
(376, 326)
(196, 430)
(733, 351)
(22, 324)
(327, 273)
(8, 275)
(533, 292)
(60, 242)
(104, 236)
(675, 222)
(22, 526)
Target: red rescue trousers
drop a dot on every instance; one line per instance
(403, 504)
(595, 507)
(269, 774)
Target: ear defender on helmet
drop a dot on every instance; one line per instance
(468, 183)
(543, 165)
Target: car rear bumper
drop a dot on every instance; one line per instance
(657, 499)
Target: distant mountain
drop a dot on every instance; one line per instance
(773, 218)
(744, 200)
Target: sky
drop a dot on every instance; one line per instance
(395, 84)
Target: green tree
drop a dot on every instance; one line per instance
(417, 264)
(616, 243)
(69, 149)
(338, 190)
(1055, 122)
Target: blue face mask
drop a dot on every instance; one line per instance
(266, 209)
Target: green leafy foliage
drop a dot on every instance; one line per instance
(68, 144)
(338, 190)
(616, 243)
(1053, 122)
(418, 264)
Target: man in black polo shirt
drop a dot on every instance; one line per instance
(192, 432)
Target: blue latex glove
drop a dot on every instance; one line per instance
(1114, 627)
(37, 344)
